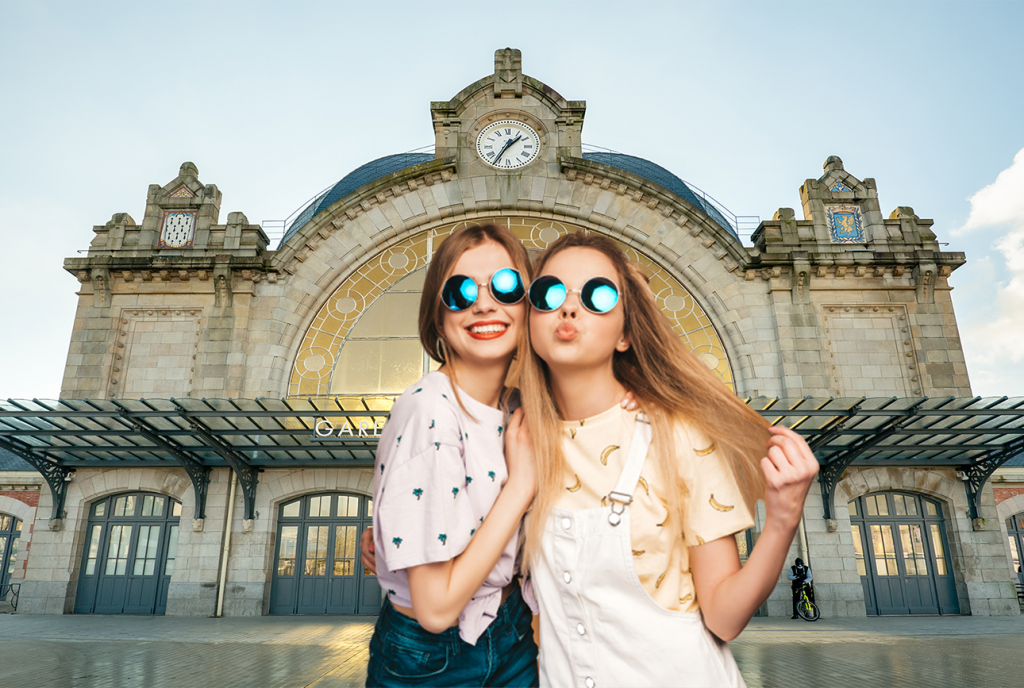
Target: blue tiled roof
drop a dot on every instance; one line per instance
(11, 462)
(353, 180)
(662, 177)
(393, 163)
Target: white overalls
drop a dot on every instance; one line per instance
(599, 627)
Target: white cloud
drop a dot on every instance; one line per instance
(1001, 202)
(994, 341)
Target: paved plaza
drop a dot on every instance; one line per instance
(321, 652)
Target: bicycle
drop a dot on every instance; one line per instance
(807, 610)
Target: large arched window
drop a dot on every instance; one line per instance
(365, 340)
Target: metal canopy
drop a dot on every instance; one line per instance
(974, 435)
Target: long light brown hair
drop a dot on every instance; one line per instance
(432, 310)
(670, 385)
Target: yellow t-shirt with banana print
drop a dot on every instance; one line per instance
(596, 449)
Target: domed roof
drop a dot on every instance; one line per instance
(662, 177)
(393, 163)
(353, 180)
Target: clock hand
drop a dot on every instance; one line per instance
(504, 148)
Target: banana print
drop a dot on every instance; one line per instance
(572, 433)
(706, 451)
(662, 524)
(577, 486)
(607, 452)
(643, 484)
(700, 540)
(686, 598)
(582, 422)
(718, 506)
(604, 501)
(660, 578)
(638, 552)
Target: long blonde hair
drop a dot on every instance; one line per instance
(670, 385)
(432, 310)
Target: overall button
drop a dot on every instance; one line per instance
(589, 682)
(579, 627)
(567, 576)
(567, 523)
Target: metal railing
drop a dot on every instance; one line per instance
(12, 589)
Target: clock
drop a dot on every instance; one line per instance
(508, 144)
(178, 230)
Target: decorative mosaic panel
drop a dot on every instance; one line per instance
(315, 363)
(845, 225)
(839, 186)
(178, 230)
(183, 192)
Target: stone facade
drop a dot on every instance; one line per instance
(845, 302)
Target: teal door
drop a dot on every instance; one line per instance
(317, 568)
(130, 548)
(902, 555)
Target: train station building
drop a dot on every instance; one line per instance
(212, 451)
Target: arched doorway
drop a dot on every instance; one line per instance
(10, 533)
(316, 565)
(130, 546)
(902, 554)
(1015, 532)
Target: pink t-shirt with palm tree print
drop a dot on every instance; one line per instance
(438, 472)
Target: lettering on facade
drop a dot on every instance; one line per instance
(343, 428)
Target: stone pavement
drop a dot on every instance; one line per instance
(322, 652)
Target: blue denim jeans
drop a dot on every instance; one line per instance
(402, 653)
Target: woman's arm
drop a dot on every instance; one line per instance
(440, 591)
(729, 594)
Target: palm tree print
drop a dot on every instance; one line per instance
(431, 424)
(469, 479)
(443, 538)
(418, 492)
(491, 475)
(501, 429)
(397, 541)
(455, 492)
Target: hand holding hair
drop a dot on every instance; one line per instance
(789, 469)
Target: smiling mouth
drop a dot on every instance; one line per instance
(487, 330)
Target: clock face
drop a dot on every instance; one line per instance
(508, 144)
(178, 230)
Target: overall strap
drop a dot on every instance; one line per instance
(622, 495)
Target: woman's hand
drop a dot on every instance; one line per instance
(519, 456)
(789, 469)
(368, 551)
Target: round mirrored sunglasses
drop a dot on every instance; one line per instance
(598, 295)
(461, 292)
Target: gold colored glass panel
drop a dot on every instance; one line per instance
(124, 506)
(930, 508)
(378, 367)
(94, 550)
(99, 509)
(175, 508)
(292, 510)
(853, 508)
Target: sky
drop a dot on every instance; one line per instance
(275, 101)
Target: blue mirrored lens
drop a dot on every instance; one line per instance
(599, 295)
(547, 293)
(507, 286)
(459, 293)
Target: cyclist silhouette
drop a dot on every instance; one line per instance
(800, 574)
